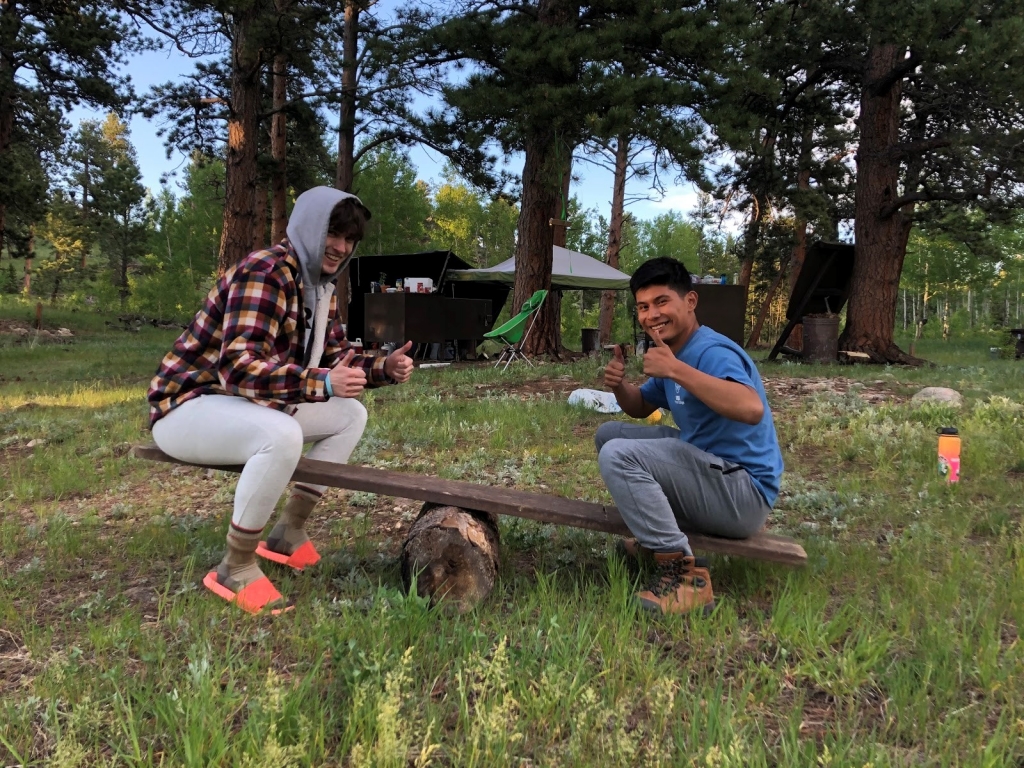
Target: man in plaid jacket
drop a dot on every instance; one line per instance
(263, 368)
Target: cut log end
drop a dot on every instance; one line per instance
(453, 555)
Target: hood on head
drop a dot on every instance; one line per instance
(307, 231)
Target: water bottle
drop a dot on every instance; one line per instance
(949, 454)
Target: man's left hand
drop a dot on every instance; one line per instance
(398, 365)
(659, 361)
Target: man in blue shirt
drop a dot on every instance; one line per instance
(718, 473)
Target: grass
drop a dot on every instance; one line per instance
(896, 645)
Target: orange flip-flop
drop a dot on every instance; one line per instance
(303, 557)
(252, 598)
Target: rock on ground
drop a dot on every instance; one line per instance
(938, 395)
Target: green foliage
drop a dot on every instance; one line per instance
(11, 283)
(908, 604)
(386, 182)
(478, 229)
(180, 267)
(56, 55)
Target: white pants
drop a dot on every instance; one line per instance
(222, 429)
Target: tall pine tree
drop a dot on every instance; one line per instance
(541, 74)
(53, 55)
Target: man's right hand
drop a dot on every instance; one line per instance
(347, 381)
(615, 371)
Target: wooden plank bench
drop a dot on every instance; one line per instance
(507, 501)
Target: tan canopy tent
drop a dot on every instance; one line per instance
(569, 271)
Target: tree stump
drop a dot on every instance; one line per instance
(453, 553)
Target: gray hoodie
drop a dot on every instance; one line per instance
(307, 233)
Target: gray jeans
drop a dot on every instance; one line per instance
(661, 485)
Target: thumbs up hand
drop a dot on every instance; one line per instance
(398, 364)
(659, 361)
(347, 381)
(615, 371)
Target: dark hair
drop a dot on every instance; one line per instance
(349, 218)
(662, 271)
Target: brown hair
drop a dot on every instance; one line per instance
(349, 218)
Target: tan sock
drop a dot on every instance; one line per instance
(290, 532)
(238, 568)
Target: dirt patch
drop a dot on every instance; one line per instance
(544, 387)
(787, 392)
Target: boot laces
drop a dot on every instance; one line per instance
(671, 576)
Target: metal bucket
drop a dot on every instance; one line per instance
(821, 338)
(590, 340)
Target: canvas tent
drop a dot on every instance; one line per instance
(569, 271)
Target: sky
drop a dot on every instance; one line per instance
(592, 185)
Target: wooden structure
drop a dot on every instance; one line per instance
(425, 318)
(481, 503)
(822, 287)
(722, 308)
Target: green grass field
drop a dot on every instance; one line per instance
(897, 645)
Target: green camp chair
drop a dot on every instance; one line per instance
(511, 333)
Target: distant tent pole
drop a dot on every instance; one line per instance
(440, 278)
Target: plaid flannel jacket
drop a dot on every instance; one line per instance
(247, 341)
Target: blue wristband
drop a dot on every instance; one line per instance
(328, 387)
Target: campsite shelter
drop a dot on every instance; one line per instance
(437, 265)
(720, 307)
(569, 271)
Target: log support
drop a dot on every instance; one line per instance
(452, 556)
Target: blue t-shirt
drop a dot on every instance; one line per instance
(752, 446)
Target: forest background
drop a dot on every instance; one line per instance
(767, 108)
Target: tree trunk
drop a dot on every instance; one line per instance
(26, 285)
(796, 261)
(279, 146)
(11, 21)
(453, 555)
(607, 312)
(243, 128)
(881, 234)
(259, 216)
(543, 177)
(123, 263)
(750, 238)
(755, 331)
(345, 172)
(6, 134)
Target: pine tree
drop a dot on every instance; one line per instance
(938, 88)
(125, 212)
(545, 74)
(54, 55)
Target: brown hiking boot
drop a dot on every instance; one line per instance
(682, 584)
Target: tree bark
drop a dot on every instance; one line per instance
(345, 172)
(453, 555)
(607, 312)
(544, 174)
(11, 21)
(799, 253)
(751, 237)
(755, 331)
(881, 241)
(6, 134)
(279, 144)
(259, 217)
(243, 128)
